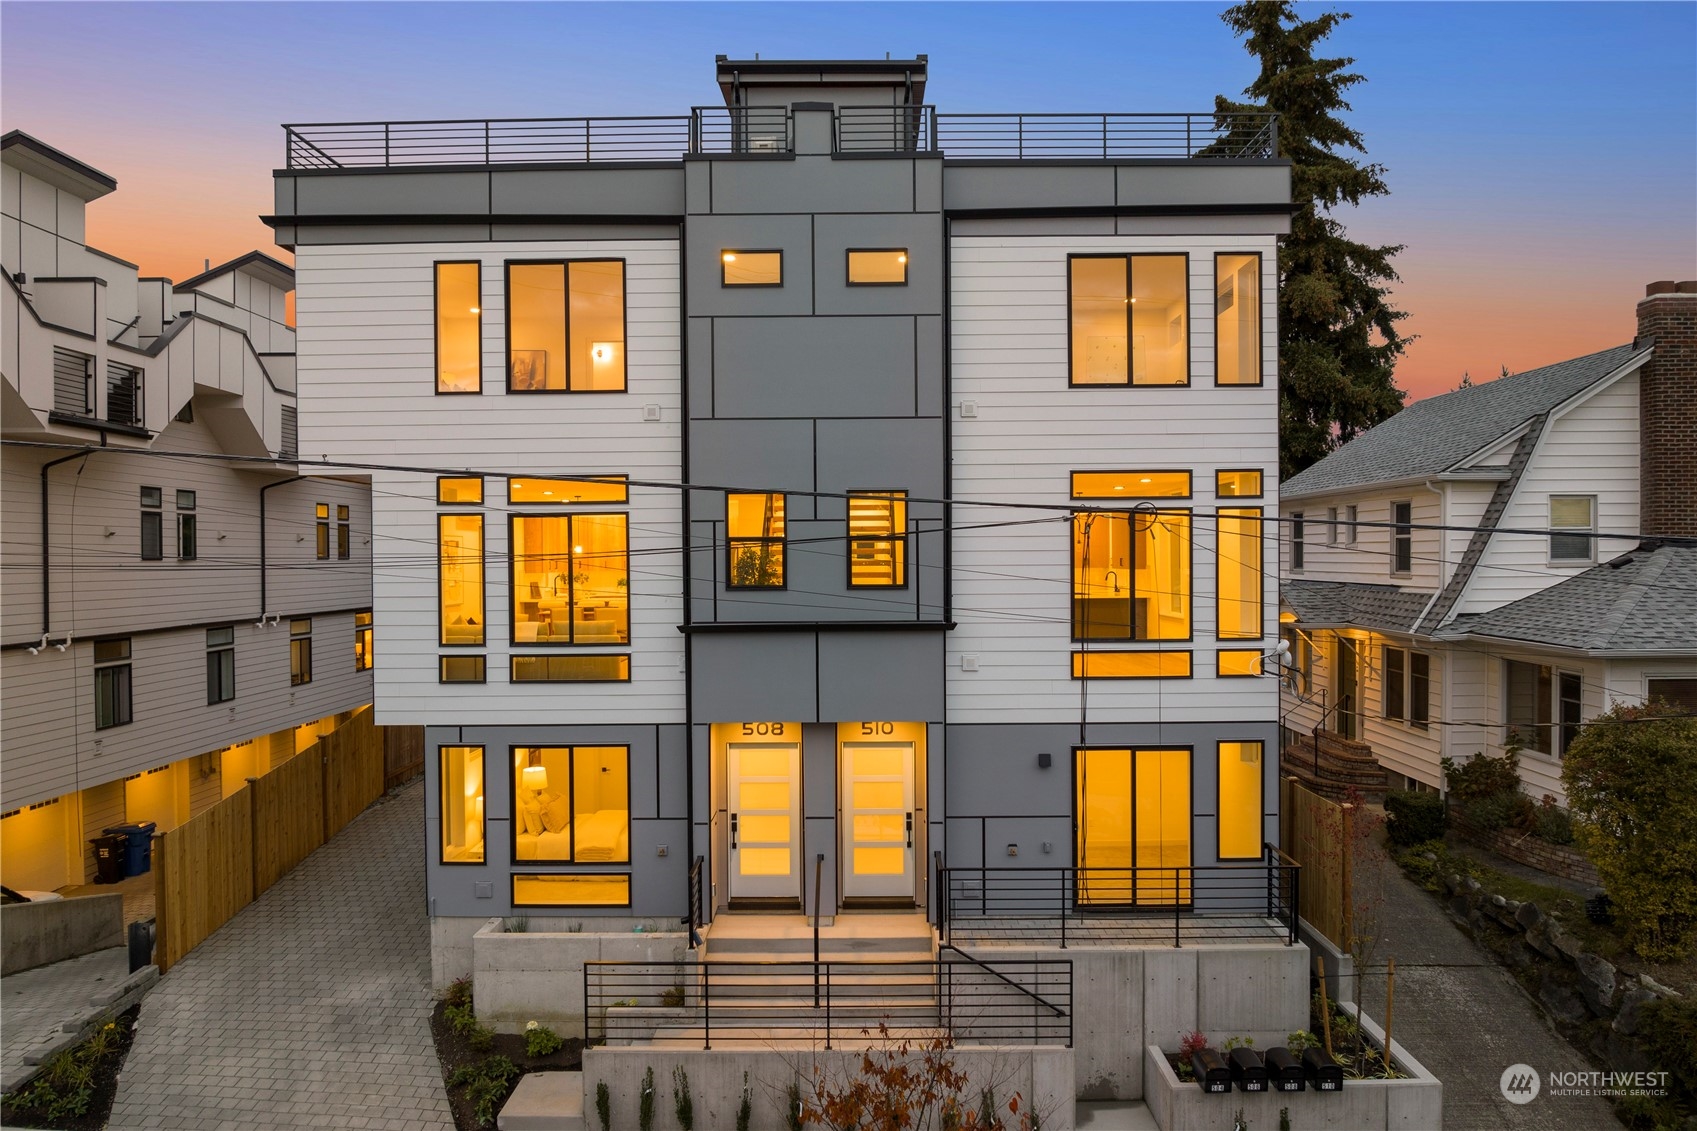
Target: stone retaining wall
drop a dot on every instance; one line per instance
(1524, 848)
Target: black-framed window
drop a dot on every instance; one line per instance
(750, 268)
(571, 804)
(877, 266)
(1128, 319)
(460, 579)
(1402, 537)
(461, 788)
(322, 516)
(459, 326)
(877, 539)
(111, 683)
(570, 578)
(1395, 665)
(300, 651)
(1132, 575)
(461, 669)
(188, 534)
(1237, 318)
(532, 490)
(220, 664)
(599, 668)
(1241, 805)
(754, 527)
(344, 532)
(363, 656)
(459, 489)
(565, 326)
(1419, 690)
(1297, 543)
(1675, 691)
(152, 524)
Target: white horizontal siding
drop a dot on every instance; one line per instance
(1369, 560)
(1012, 584)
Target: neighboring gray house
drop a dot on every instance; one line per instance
(1509, 558)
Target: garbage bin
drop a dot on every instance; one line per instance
(109, 853)
(138, 854)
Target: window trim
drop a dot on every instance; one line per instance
(1331, 526)
(507, 266)
(1257, 515)
(1260, 663)
(1260, 328)
(1260, 481)
(321, 520)
(1352, 523)
(1298, 540)
(1156, 643)
(436, 328)
(1219, 797)
(571, 804)
(126, 681)
(732, 544)
(777, 251)
(1402, 535)
(305, 639)
(625, 874)
(513, 658)
(1189, 491)
(513, 518)
(619, 479)
(158, 524)
(442, 805)
(478, 502)
(483, 571)
(1130, 381)
(1400, 685)
(848, 265)
(1554, 725)
(364, 633)
(188, 536)
(1590, 530)
(1080, 662)
(344, 532)
(895, 537)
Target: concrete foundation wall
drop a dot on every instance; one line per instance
(34, 934)
(538, 975)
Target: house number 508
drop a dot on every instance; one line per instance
(877, 728)
(763, 728)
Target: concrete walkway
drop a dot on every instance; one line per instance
(311, 1008)
(1467, 1020)
(37, 1005)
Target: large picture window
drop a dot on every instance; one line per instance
(462, 804)
(877, 522)
(1238, 598)
(1132, 817)
(571, 577)
(1240, 801)
(1129, 319)
(1237, 319)
(755, 526)
(1131, 575)
(566, 326)
(571, 804)
(460, 578)
(459, 328)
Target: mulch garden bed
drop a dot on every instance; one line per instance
(454, 1051)
(60, 1088)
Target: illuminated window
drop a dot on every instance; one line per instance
(751, 268)
(877, 522)
(1235, 663)
(462, 804)
(1132, 812)
(571, 804)
(323, 515)
(1131, 575)
(1240, 801)
(566, 326)
(1131, 665)
(571, 669)
(300, 651)
(459, 328)
(1130, 484)
(362, 642)
(449, 490)
(1237, 484)
(756, 538)
(571, 577)
(877, 267)
(1129, 319)
(1238, 598)
(111, 683)
(591, 489)
(460, 669)
(460, 578)
(1237, 319)
(571, 891)
(220, 664)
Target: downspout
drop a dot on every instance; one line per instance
(46, 566)
(1443, 555)
(263, 607)
(689, 638)
(1420, 622)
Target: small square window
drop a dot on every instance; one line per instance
(1237, 484)
(341, 514)
(469, 490)
(301, 627)
(152, 497)
(877, 267)
(185, 500)
(751, 268)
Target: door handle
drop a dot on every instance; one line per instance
(733, 830)
(910, 830)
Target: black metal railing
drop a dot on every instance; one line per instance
(1024, 137)
(886, 129)
(123, 394)
(973, 1002)
(345, 145)
(697, 901)
(1153, 906)
(749, 131)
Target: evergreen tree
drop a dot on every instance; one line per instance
(1338, 339)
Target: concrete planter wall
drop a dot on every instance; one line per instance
(538, 975)
(35, 934)
(1412, 1104)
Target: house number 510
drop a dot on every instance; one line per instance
(877, 728)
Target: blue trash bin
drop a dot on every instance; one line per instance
(138, 846)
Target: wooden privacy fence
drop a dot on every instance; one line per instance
(210, 867)
(403, 754)
(1316, 834)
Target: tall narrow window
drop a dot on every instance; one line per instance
(1570, 709)
(1395, 682)
(1237, 319)
(877, 522)
(1239, 570)
(344, 533)
(755, 525)
(1419, 690)
(323, 531)
(220, 664)
(300, 651)
(1349, 524)
(459, 328)
(1240, 801)
(1530, 704)
(1132, 817)
(1402, 537)
(111, 683)
(461, 782)
(1131, 576)
(1296, 541)
(566, 326)
(1129, 319)
(571, 579)
(152, 524)
(751, 268)
(362, 642)
(1331, 526)
(460, 578)
(188, 534)
(571, 804)
(1572, 521)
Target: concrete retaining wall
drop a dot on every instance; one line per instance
(1042, 1077)
(35, 934)
(538, 975)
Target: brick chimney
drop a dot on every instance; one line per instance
(1667, 411)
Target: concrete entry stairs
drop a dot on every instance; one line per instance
(875, 936)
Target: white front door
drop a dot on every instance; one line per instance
(764, 782)
(877, 826)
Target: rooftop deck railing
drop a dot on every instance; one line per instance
(1026, 137)
(358, 145)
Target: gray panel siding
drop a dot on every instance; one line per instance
(832, 367)
(765, 676)
(881, 675)
(812, 185)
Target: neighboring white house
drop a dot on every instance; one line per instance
(1506, 559)
(171, 624)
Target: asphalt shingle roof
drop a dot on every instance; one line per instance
(1435, 434)
(1327, 604)
(1643, 601)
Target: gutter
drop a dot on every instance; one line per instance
(263, 607)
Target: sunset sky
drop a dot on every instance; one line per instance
(1542, 157)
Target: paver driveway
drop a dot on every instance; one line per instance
(311, 1008)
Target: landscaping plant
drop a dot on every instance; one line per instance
(1414, 818)
(1482, 776)
(539, 1040)
(645, 1109)
(604, 1105)
(904, 1084)
(487, 1085)
(745, 1108)
(682, 1102)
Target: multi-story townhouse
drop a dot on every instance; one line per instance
(805, 500)
(1503, 562)
(181, 608)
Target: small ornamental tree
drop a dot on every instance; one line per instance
(1631, 781)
